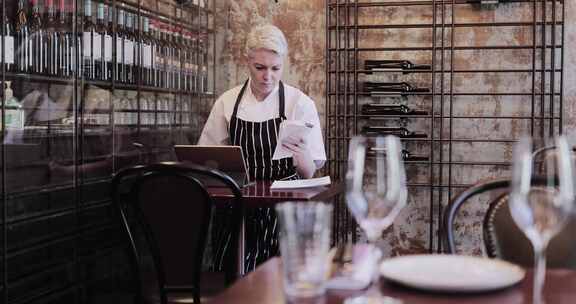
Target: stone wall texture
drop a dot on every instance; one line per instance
(304, 24)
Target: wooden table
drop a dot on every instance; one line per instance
(259, 195)
(264, 285)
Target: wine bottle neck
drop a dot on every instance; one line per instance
(100, 14)
(88, 8)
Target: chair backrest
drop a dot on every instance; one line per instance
(167, 208)
(502, 238)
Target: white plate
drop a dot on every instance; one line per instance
(452, 273)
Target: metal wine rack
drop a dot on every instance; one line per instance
(495, 73)
(60, 242)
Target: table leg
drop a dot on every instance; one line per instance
(241, 246)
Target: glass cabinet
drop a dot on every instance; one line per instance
(89, 87)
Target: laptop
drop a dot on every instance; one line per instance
(228, 159)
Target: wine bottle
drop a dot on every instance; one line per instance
(403, 66)
(194, 72)
(156, 53)
(170, 68)
(147, 53)
(170, 56)
(162, 56)
(36, 42)
(120, 67)
(396, 131)
(129, 49)
(64, 42)
(204, 65)
(406, 155)
(109, 45)
(172, 34)
(188, 61)
(22, 38)
(178, 56)
(387, 88)
(185, 73)
(389, 109)
(76, 40)
(486, 2)
(91, 49)
(51, 38)
(103, 42)
(8, 47)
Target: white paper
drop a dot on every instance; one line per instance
(289, 128)
(301, 183)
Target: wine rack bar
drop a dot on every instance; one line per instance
(458, 81)
(89, 87)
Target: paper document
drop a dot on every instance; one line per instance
(289, 128)
(301, 183)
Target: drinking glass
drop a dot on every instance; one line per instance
(541, 203)
(304, 244)
(375, 193)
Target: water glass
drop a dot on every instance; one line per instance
(304, 244)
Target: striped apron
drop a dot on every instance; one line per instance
(258, 141)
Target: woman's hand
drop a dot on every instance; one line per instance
(302, 158)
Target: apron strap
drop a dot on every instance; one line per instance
(239, 98)
(281, 95)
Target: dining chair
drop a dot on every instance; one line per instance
(501, 237)
(165, 213)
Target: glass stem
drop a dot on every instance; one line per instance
(374, 289)
(539, 273)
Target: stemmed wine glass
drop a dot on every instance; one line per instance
(375, 192)
(541, 202)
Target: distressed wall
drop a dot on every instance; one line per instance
(304, 21)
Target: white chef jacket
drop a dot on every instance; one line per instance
(297, 106)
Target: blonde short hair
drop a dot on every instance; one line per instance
(267, 37)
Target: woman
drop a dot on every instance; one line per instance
(249, 116)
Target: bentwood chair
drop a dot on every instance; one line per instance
(502, 238)
(165, 213)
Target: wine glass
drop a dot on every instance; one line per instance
(375, 193)
(541, 204)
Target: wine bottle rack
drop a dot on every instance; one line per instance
(105, 86)
(493, 72)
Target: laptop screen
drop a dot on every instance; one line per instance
(228, 159)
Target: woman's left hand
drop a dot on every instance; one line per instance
(302, 158)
